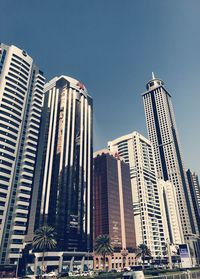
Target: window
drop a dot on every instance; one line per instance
(6, 140)
(3, 154)
(3, 195)
(4, 187)
(2, 203)
(10, 115)
(13, 105)
(4, 178)
(5, 170)
(9, 128)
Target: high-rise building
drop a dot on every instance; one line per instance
(113, 208)
(170, 212)
(194, 186)
(137, 151)
(21, 96)
(62, 195)
(163, 134)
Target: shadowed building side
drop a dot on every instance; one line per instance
(194, 186)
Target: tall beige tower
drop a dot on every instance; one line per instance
(162, 131)
(137, 151)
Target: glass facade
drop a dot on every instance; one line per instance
(113, 210)
(64, 174)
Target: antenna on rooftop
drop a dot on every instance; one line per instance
(153, 76)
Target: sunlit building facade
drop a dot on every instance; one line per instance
(21, 97)
(170, 213)
(163, 134)
(137, 151)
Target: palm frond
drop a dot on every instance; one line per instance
(103, 245)
(44, 238)
(143, 251)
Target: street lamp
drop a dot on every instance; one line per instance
(88, 260)
(17, 268)
(169, 253)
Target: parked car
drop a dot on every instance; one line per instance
(85, 273)
(51, 274)
(63, 274)
(113, 271)
(136, 272)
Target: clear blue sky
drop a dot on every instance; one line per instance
(112, 46)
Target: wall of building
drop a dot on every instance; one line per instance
(21, 97)
(162, 131)
(138, 152)
(113, 213)
(63, 181)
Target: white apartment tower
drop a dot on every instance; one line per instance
(21, 96)
(163, 134)
(170, 212)
(138, 152)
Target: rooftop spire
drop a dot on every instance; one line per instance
(154, 82)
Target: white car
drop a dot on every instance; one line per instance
(50, 274)
(133, 275)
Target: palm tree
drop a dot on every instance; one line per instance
(177, 255)
(43, 240)
(103, 247)
(143, 251)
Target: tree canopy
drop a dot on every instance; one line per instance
(103, 245)
(143, 251)
(44, 238)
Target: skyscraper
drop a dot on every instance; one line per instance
(194, 186)
(113, 209)
(138, 152)
(163, 134)
(21, 96)
(62, 194)
(112, 200)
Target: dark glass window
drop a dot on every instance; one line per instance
(10, 115)
(3, 195)
(3, 154)
(9, 121)
(4, 178)
(15, 95)
(9, 128)
(2, 186)
(4, 147)
(5, 170)
(10, 136)
(12, 104)
(11, 109)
